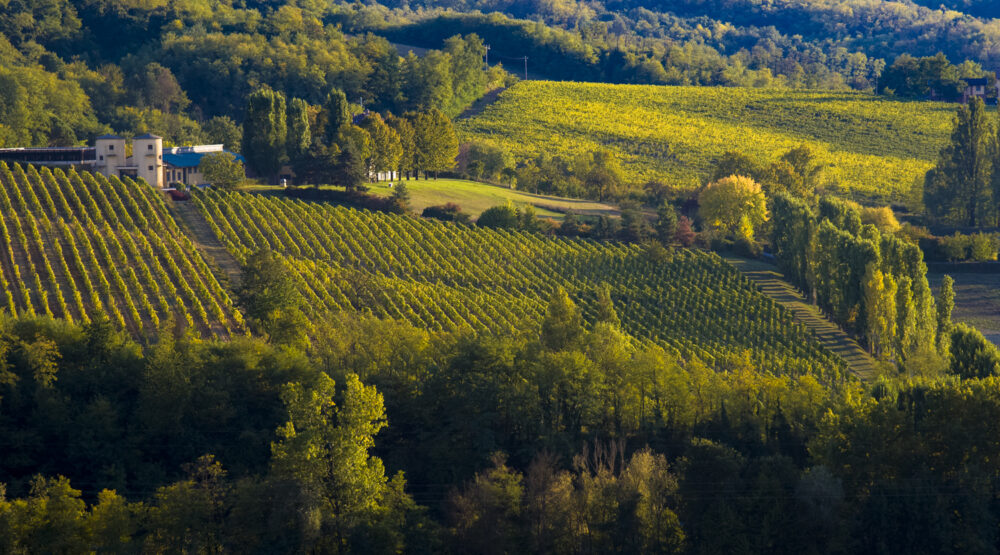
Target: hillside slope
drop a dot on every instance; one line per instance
(450, 277)
(876, 148)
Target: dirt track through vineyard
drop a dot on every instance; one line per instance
(771, 283)
(206, 241)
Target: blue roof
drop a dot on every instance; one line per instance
(190, 159)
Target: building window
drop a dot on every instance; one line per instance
(149, 147)
(111, 147)
(150, 168)
(102, 157)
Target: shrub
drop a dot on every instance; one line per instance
(450, 212)
(954, 247)
(982, 247)
(500, 217)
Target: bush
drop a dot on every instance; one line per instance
(983, 247)
(746, 247)
(500, 217)
(954, 247)
(450, 212)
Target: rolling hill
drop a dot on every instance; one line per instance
(874, 148)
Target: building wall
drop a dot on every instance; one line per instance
(147, 156)
(187, 176)
(111, 155)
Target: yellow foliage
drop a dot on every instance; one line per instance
(882, 218)
(733, 204)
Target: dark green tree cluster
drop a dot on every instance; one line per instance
(871, 282)
(964, 187)
(928, 77)
(322, 144)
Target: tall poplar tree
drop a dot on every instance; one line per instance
(960, 188)
(265, 131)
(299, 136)
(336, 114)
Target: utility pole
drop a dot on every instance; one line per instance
(525, 68)
(487, 56)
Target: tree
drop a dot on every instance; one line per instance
(299, 137)
(685, 235)
(270, 300)
(503, 216)
(972, 355)
(323, 452)
(350, 171)
(265, 131)
(562, 327)
(407, 155)
(336, 114)
(666, 223)
(222, 130)
(318, 165)
(401, 198)
(386, 147)
(958, 189)
(606, 308)
(222, 170)
(436, 144)
(736, 163)
(880, 309)
(945, 304)
(724, 203)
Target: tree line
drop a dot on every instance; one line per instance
(329, 144)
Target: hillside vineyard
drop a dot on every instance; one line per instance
(444, 276)
(870, 146)
(81, 246)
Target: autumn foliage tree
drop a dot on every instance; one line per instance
(731, 203)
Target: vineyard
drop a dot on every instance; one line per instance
(80, 246)
(874, 147)
(443, 276)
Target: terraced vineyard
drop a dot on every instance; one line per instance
(445, 276)
(873, 146)
(79, 245)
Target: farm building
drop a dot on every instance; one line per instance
(109, 156)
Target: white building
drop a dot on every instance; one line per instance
(148, 159)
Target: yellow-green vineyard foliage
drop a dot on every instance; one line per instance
(873, 146)
(81, 246)
(444, 276)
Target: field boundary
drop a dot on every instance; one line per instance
(772, 283)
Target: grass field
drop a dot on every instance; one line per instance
(875, 148)
(474, 197)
